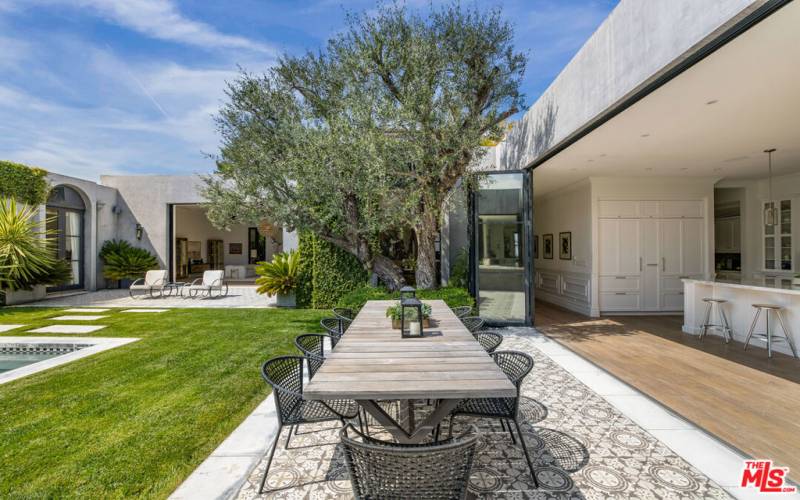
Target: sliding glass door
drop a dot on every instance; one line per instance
(501, 248)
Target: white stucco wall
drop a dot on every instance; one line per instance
(639, 41)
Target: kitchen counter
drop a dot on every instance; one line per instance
(761, 285)
(739, 308)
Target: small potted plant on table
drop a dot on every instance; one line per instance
(394, 312)
(279, 277)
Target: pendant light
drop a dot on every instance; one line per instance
(770, 211)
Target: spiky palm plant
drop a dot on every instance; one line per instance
(121, 260)
(26, 254)
(280, 275)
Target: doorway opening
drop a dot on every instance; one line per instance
(65, 212)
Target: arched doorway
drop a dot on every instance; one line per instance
(65, 223)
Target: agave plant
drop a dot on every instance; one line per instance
(121, 260)
(26, 255)
(279, 277)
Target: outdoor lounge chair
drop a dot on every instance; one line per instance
(152, 283)
(380, 469)
(516, 365)
(285, 375)
(212, 282)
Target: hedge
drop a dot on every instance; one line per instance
(326, 273)
(24, 184)
(454, 297)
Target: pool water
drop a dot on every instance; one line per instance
(14, 361)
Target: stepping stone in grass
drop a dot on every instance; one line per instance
(145, 310)
(5, 328)
(83, 317)
(86, 310)
(67, 329)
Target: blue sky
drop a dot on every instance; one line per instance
(93, 87)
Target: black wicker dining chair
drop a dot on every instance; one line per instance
(473, 323)
(490, 341)
(343, 313)
(285, 375)
(462, 311)
(516, 365)
(335, 328)
(380, 469)
(312, 345)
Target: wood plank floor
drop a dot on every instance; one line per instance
(744, 398)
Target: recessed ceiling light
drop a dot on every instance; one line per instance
(602, 155)
(685, 168)
(589, 160)
(645, 135)
(736, 158)
(718, 169)
(712, 101)
(648, 169)
(574, 169)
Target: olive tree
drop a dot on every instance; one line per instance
(371, 134)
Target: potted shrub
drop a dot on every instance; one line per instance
(395, 311)
(279, 277)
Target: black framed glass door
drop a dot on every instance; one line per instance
(65, 224)
(501, 255)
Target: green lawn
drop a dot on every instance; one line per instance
(136, 420)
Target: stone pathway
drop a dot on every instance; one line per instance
(68, 329)
(86, 310)
(145, 310)
(77, 317)
(6, 328)
(583, 447)
(238, 296)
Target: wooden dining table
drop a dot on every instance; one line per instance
(373, 363)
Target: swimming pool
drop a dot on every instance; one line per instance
(13, 356)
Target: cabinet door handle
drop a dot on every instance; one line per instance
(640, 263)
(619, 277)
(620, 293)
(663, 263)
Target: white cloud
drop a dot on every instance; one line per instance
(161, 19)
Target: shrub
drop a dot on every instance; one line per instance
(280, 275)
(22, 183)
(326, 273)
(121, 260)
(458, 272)
(26, 256)
(454, 297)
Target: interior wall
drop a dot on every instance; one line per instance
(566, 210)
(193, 225)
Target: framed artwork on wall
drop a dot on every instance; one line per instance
(565, 245)
(235, 248)
(535, 246)
(547, 246)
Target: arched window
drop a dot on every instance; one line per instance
(65, 221)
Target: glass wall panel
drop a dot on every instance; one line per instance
(501, 240)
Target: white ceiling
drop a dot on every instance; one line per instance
(713, 120)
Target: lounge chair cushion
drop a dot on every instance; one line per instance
(213, 279)
(155, 279)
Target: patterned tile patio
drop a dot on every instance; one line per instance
(583, 448)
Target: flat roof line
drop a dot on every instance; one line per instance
(745, 23)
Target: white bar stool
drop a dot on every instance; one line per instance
(768, 336)
(712, 302)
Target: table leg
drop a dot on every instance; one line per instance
(414, 435)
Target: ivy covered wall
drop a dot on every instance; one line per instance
(24, 184)
(326, 273)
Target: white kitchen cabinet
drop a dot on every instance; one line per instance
(642, 260)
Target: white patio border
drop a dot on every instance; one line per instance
(96, 344)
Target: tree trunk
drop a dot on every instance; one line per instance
(426, 232)
(388, 272)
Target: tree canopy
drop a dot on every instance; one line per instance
(371, 134)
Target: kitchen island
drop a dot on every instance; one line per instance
(739, 308)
